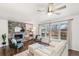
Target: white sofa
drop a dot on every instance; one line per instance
(55, 48)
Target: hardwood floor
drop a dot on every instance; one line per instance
(73, 53)
(7, 51)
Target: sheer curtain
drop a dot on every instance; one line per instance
(54, 31)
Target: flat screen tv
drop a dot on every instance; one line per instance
(19, 36)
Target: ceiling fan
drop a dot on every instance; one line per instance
(51, 9)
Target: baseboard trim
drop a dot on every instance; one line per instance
(74, 50)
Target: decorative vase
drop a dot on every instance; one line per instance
(4, 44)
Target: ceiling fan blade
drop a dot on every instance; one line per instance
(40, 10)
(56, 13)
(60, 8)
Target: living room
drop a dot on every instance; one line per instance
(38, 29)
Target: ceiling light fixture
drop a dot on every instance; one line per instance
(49, 13)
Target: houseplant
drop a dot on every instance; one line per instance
(4, 38)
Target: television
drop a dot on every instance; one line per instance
(18, 35)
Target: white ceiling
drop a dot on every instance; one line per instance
(28, 11)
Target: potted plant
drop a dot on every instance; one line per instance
(4, 38)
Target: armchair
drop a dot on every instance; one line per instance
(16, 44)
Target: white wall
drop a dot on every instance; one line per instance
(3, 29)
(75, 33)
